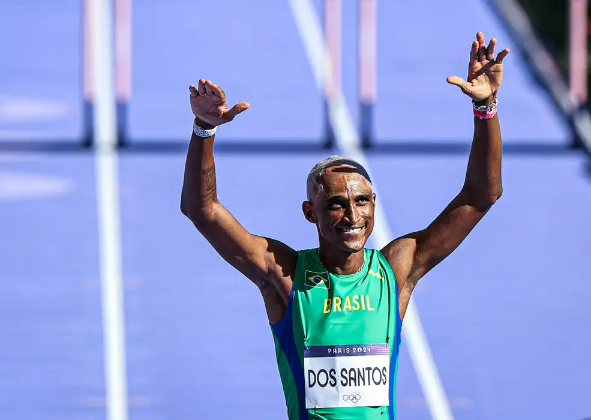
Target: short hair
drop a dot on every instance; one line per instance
(330, 162)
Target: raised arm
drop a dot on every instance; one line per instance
(413, 255)
(266, 262)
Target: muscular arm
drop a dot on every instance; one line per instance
(413, 255)
(267, 263)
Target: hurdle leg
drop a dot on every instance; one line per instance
(332, 62)
(123, 48)
(87, 77)
(367, 51)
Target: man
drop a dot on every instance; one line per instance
(336, 311)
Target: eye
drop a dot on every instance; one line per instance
(335, 204)
(363, 199)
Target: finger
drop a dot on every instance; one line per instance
(218, 91)
(474, 53)
(482, 46)
(208, 87)
(456, 80)
(459, 82)
(490, 51)
(237, 109)
(201, 87)
(502, 55)
(193, 90)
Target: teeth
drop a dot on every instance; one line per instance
(351, 229)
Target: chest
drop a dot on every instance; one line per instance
(346, 327)
(343, 312)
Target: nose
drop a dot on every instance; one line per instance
(352, 213)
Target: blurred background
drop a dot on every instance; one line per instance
(506, 317)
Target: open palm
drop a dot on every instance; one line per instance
(485, 73)
(208, 103)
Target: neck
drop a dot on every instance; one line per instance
(341, 262)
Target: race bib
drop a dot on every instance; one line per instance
(347, 376)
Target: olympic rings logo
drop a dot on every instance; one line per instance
(352, 398)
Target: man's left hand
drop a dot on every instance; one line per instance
(485, 73)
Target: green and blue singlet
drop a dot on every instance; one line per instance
(337, 345)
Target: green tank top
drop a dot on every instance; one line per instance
(338, 342)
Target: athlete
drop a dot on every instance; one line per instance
(336, 310)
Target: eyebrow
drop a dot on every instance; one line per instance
(336, 196)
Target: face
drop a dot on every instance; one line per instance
(342, 208)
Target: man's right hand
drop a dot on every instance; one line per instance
(208, 103)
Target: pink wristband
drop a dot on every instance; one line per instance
(485, 112)
(485, 115)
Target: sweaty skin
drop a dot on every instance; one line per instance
(343, 211)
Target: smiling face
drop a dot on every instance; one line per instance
(342, 207)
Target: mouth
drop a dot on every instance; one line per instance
(351, 229)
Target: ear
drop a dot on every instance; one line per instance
(374, 197)
(309, 212)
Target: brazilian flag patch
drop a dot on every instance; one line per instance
(320, 280)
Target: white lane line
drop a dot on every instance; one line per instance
(107, 188)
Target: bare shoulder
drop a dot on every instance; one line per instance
(407, 261)
(401, 254)
(275, 285)
(281, 259)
